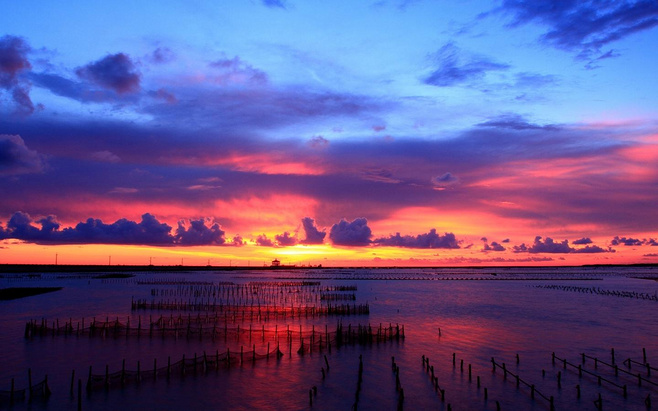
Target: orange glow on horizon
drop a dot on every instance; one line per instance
(470, 254)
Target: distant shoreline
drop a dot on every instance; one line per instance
(52, 268)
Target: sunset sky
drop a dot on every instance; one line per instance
(401, 132)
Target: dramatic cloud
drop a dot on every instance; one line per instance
(16, 158)
(14, 62)
(552, 247)
(147, 232)
(312, 234)
(591, 249)
(453, 67)
(428, 240)
(585, 26)
(263, 241)
(355, 233)
(114, 72)
(547, 246)
(197, 233)
(628, 241)
(20, 227)
(123, 231)
(285, 240)
(494, 246)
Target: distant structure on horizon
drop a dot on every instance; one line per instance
(277, 264)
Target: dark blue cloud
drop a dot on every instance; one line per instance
(628, 241)
(312, 234)
(20, 227)
(355, 233)
(552, 247)
(454, 68)
(585, 26)
(583, 241)
(285, 239)
(149, 231)
(114, 72)
(494, 246)
(516, 122)
(547, 246)
(263, 241)
(427, 240)
(197, 233)
(17, 158)
(445, 180)
(275, 3)
(75, 90)
(13, 63)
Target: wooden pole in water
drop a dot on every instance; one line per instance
(29, 382)
(72, 382)
(79, 395)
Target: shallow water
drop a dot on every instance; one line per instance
(469, 312)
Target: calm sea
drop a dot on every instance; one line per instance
(458, 318)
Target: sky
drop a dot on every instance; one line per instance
(341, 133)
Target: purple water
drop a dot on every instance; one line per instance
(479, 316)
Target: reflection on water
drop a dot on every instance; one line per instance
(470, 313)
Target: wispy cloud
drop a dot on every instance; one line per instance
(454, 67)
(585, 27)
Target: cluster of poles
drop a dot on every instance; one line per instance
(33, 391)
(255, 312)
(180, 368)
(600, 291)
(611, 367)
(191, 327)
